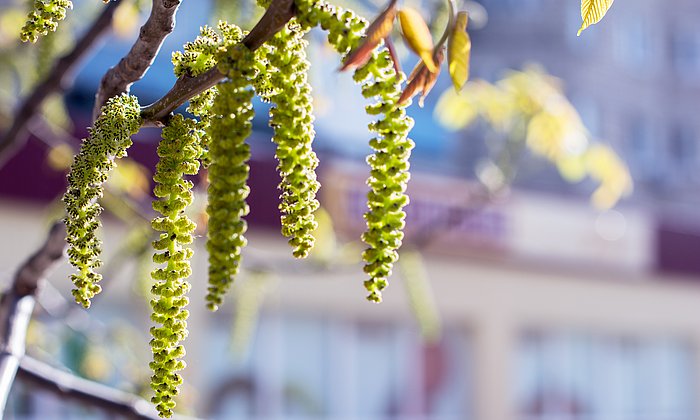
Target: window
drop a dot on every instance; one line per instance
(586, 377)
(682, 150)
(641, 150)
(636, 45)
(685, 51)
(303, 367)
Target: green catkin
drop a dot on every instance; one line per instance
(108, 139)
(178, 152)
(292, 119)
(392, 148)
(44, 18)
(198, 57)
(200, 106)
(203, 53)
(229, 126)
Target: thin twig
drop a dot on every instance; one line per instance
(17, 305)
(59, 79)
(275, 17)
(90, 393)
(134, 65)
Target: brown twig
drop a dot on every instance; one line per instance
(275, 17)
(87, 392)
(58, 79)
(17, 305)
(134, 65)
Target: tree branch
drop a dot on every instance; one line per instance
(275, 17)
(134, 65)
(58, 79)
(87, 392)
(18, 303)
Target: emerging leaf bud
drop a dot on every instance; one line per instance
(422, 79)
(379, 29)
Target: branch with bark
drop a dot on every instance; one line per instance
(94, 394)
(17, 305)
(134, 65)
(275, 17)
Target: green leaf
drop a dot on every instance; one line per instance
(592, 11)
(459, 47)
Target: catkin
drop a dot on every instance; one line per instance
(292, 120)
(178, 152)
(229, 126)
(108, 139)
(44, 18)
(392, 148)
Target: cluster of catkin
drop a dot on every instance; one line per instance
(216, 140)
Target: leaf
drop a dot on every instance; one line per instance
(592, 11)
(422, 79)
(606, 167)
(432, 76)
(458, 49)
(378, 30)
(392, 53)
(417, 36)
(572, 168)
(416, 81)
(455, 111)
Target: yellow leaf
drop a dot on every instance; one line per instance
(458, 50)
(455, 111)
(545, 134)
(592, 11)
(605, 166)
(572, 168)
(417, 36)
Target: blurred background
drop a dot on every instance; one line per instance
(551, 264)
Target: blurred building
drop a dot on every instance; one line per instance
(635, 80)
(549, 309)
